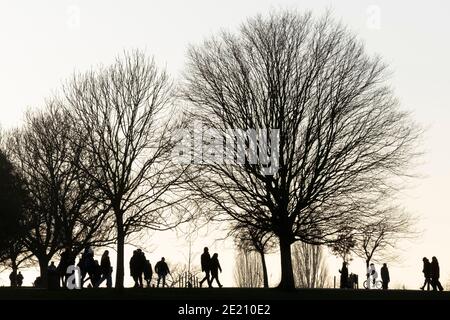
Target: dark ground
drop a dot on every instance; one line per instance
(230, 294)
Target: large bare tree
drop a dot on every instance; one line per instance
(341, 134)
(62, 210)
(121, 111)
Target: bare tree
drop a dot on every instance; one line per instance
(121, 112)
(13, 199)
(341, 135)
(249, 239)
(310, 270)
(248, 269)
(62, 209)
(377, 240)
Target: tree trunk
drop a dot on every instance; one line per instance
(367, 273)
(264, 267)
(120, 252)
(287, 274)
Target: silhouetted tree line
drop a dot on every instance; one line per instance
(96, 164)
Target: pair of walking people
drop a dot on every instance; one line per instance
(211, 268)
(431, 273)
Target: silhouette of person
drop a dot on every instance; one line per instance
(214, 267)
(52, 267)
(344, 275)
(426, 273)
(106, 270)
(96, 274)
(52, 276)
(148, 272)
(13, 279)
(134, 269)
(66, 260)
(372, 271)
(87, 265)
(205, 263)
(19, 279)
(385, 276)
(434, 275)
(162, 270)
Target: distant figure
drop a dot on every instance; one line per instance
(106, 270)
(67, 259)
(87, 265)
(52, 276)
(148, 272)
(205, 262)
(13, 279)
(162, 270)
(372, 272)
(434, 275)
(385, 276)
(214, 267)
(52, 267)
(19, 279)
(344, 275)
(134, 269)
(426, 273)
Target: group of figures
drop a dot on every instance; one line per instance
(431, 273)
(372, 277)
(90, 269)
(95, 272)
(140, 266)
(211, 268)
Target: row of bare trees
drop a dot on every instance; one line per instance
(98, 162)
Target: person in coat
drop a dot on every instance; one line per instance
(214, 267)
(162, 270)
(344, 275)
(385, 276)
(434, 275)
(426, 273)
(106, 270)
(205, 263)
(148, 272)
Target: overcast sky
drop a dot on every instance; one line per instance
(44, 42)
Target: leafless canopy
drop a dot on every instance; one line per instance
(62, 209)
(342, 135)
(121, 112)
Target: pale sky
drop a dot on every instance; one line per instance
(44, 42)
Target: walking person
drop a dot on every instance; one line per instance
(434, 275)
(205, 263)
(134, 269)
(385, 276)
(148, 272)
(214, 267)
(106, 270)
(162, 270)
(426, 273)
(344, 275)
(19, 279)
